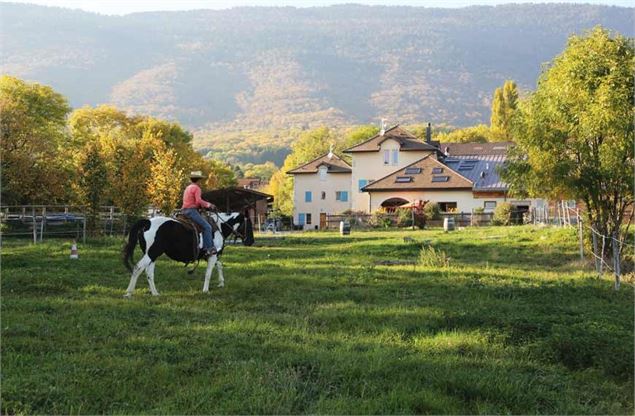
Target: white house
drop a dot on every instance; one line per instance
(321, 187)
(395, 168)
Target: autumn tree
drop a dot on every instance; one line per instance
(92, 182)
(32, 130)
(504, 104)
(575, 133)
(166, 179)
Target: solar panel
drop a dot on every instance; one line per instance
(437, 170)
(403, 179)
(413, 171)
(466, 167)
(440, 178)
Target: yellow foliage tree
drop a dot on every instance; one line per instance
(166, 179)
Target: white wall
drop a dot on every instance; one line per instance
(465, 201)
(332, 183)
(370, 165)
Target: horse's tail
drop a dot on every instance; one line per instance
(133, 237)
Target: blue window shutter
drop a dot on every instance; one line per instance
(307, 196)
(301, 219)
(344, 196)
(361, 183)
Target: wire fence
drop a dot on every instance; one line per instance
(599, 246)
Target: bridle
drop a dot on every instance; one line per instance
(234, 231)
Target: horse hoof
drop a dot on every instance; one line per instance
(221, 285)
(127, 295)
(156, 294)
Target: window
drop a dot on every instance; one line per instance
(489, 204)
(386, 157)
(437, 170)
(322, 171)
(301, 218)
(308, 219)
(440, 178)
(403, 179)
(395, 157)
(323, 195)
(412, 171)
(361, 183)
(341, 196)
(308, 196)
(447, 206)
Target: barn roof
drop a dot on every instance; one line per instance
(234, 198)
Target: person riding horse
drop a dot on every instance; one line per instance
(192, 201)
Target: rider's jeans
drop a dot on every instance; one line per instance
(207, 229)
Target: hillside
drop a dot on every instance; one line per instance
(287, 68)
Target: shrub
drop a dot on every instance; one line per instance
(404, 217)
(502, 214)
(431, 257)
(432, 211)
(478, 210)
(380, 220)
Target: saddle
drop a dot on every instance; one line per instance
(188, 223)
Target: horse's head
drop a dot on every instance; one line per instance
(239, 225)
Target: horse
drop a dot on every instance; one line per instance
(167, 235)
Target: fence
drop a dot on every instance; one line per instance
(38, 222)
(461, 219)
(600, 243)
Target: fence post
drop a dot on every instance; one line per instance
(616, 261)
(580, 234)
(42, 224)
(34, 226)
(84, 230)
(595, 253)
(111, 219)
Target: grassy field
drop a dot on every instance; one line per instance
(310, 324)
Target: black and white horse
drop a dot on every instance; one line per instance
(165, 235)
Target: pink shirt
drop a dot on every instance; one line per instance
(192, 197)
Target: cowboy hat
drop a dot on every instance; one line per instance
(197, 174)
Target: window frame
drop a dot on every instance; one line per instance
(308, 196)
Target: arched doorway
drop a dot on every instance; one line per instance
(391, 204)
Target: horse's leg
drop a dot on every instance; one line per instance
(211, 262)
(221, 278)
(138, 269)
(150, 274)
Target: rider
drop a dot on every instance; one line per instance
(191, 202)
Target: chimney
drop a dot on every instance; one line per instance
(428, 134)
(382, 131)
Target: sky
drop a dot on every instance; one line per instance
(121, 7)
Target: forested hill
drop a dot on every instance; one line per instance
(266, 68)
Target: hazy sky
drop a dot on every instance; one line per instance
(131, 6)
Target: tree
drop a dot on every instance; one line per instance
(475, 134)
(32, 129)
(165, 182)
(575, 133)
(504, 104)
(92, 182)
(219, 174)
(263, 170)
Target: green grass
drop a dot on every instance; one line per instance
(309, 324)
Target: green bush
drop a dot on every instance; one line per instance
(380, 220)
(432, 211)
(404, 217)
(431, 257)
(502, 214)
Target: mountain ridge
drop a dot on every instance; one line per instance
(264, 68)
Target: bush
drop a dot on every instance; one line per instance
(380, 220)
(432, 211)
(404, 217)
(502, 214)
(429, 256)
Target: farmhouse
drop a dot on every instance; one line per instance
(395, 168)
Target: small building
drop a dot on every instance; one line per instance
(321, 186)
(255, 204)
(255, 184)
